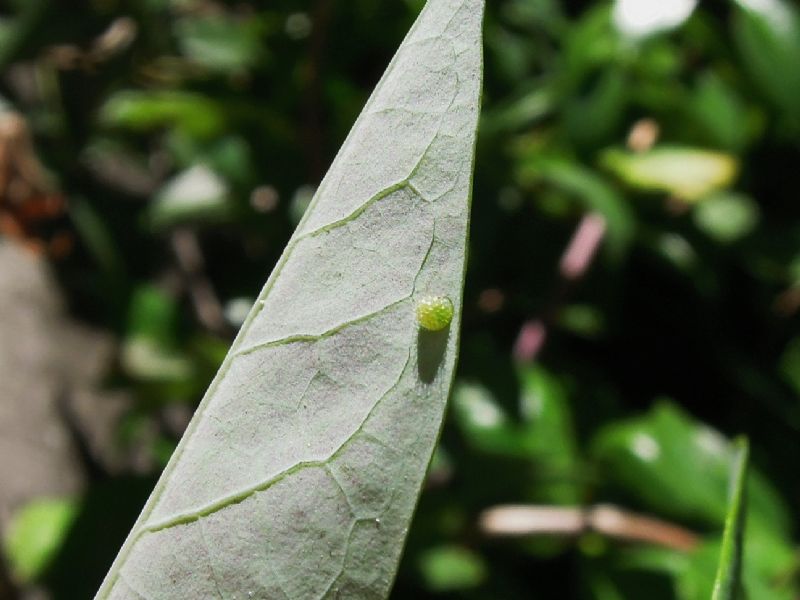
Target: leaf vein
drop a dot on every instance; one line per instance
(242, 495)
(310, 338)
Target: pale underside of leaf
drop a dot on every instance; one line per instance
(299, 473)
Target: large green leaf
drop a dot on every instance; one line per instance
(687, 173)
(768, 37)
(299, 473)
(727, 583)
(192, 114)
(680, 467)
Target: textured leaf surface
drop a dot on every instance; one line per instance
(727, 583)
(299, 474)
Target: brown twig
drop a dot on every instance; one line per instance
(119, 35)
(192, 265)
(583, 247)
(578, 256)
(524, 521)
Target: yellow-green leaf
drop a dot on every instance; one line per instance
(686, 173)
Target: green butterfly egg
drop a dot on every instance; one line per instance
(434, 313)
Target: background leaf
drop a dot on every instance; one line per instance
(768, 37)
(35, 534)
(728, 582)
(687, 173)
(665, 451)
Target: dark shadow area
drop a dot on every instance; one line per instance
(431, 346)
(109, 511)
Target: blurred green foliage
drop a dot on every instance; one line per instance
(164, 121)
(35, 535)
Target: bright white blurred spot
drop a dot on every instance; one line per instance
(237, 309)
(645, 447)
(300, 201)
(531, 406)
(763, 6)
(194, 187)
(479, 408)
(775, 11)
(640, 18)
(711, 441)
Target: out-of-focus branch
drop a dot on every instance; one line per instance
(524, 520)
(27, 195)
(573, 266)
(583, 247)
(578, 256)
(190, 260)
(119, 35)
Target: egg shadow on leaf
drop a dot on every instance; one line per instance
(431, 349)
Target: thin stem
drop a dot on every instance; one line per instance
(613, 522)
(190, 260)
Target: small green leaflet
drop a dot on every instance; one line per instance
(298, 476)
(727, 585)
